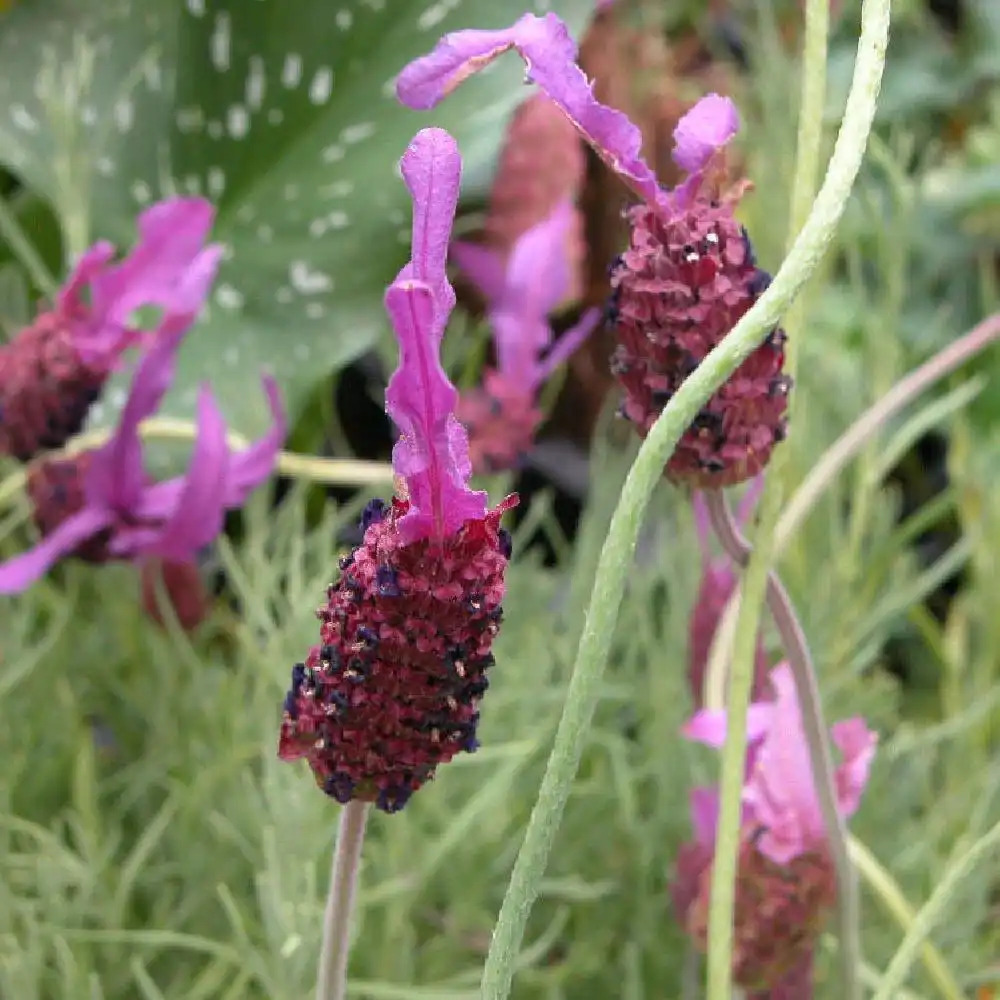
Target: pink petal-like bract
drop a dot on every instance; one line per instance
(432, 453)
(549, 53)
(707, 127)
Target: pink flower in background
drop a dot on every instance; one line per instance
(718, 582)
(689, 273)
(100, 504)
(785, 883)
(54, 369)
(393, 688)
(521, 291)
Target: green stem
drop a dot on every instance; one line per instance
(15, 237)
(861, 102)
(619, 547)
(932, 911)
(892, 899)
(329, 471)
(331, 983)
(813, 725)
(834, 460)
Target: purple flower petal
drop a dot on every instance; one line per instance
(780, 792)
(567, 344)
(856, 743)
(705, 814)
(20, 572)
(484, 267)
(708, 126)
(158, 272)
(432, 170)
(432, 453)
(197, 516)
(116, 477)
(249, 468)
(549, 53)
(708, 726)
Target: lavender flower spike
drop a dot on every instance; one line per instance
(100, 504)
(432, 453)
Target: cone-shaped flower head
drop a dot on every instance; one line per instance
(54, 369)
(689, 273)
(393, 688)
(100, 505)
(718, 581)
(521, 291)
(785, 882)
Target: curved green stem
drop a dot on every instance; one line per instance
(853, 137)
(932, 911)
(325, 471)
(836, 458)
(813, 725)
(616, 556)
(886, 890)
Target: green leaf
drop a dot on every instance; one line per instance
(284, 115)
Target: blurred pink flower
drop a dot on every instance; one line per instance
(54, 369)
(521, 290)
(785, 882)
(100, 504)
(718, 582)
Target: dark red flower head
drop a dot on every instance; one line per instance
(54, 369)
(393, 688)
(689, 272)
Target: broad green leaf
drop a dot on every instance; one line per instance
(284, 115)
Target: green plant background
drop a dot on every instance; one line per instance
(151, 845)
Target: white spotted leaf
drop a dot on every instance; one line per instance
(284, 115)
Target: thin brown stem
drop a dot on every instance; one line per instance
(331, 983)
(814, 726)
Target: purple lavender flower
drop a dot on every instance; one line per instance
(521, 291)
(785, 882)
(393, 688)
(54, 369)
(689, 273)
(100, 505)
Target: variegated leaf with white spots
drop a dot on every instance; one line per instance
(283, 113)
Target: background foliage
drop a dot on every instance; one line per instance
(153, 846)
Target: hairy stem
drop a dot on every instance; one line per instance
(331, 982)
(813, 724)
(853, 135)
(619, 547)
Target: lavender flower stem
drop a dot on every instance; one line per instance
(864, 90)
(813, 724)
(836, 458)
(647, 470)
(332, 471)
(331, 982)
